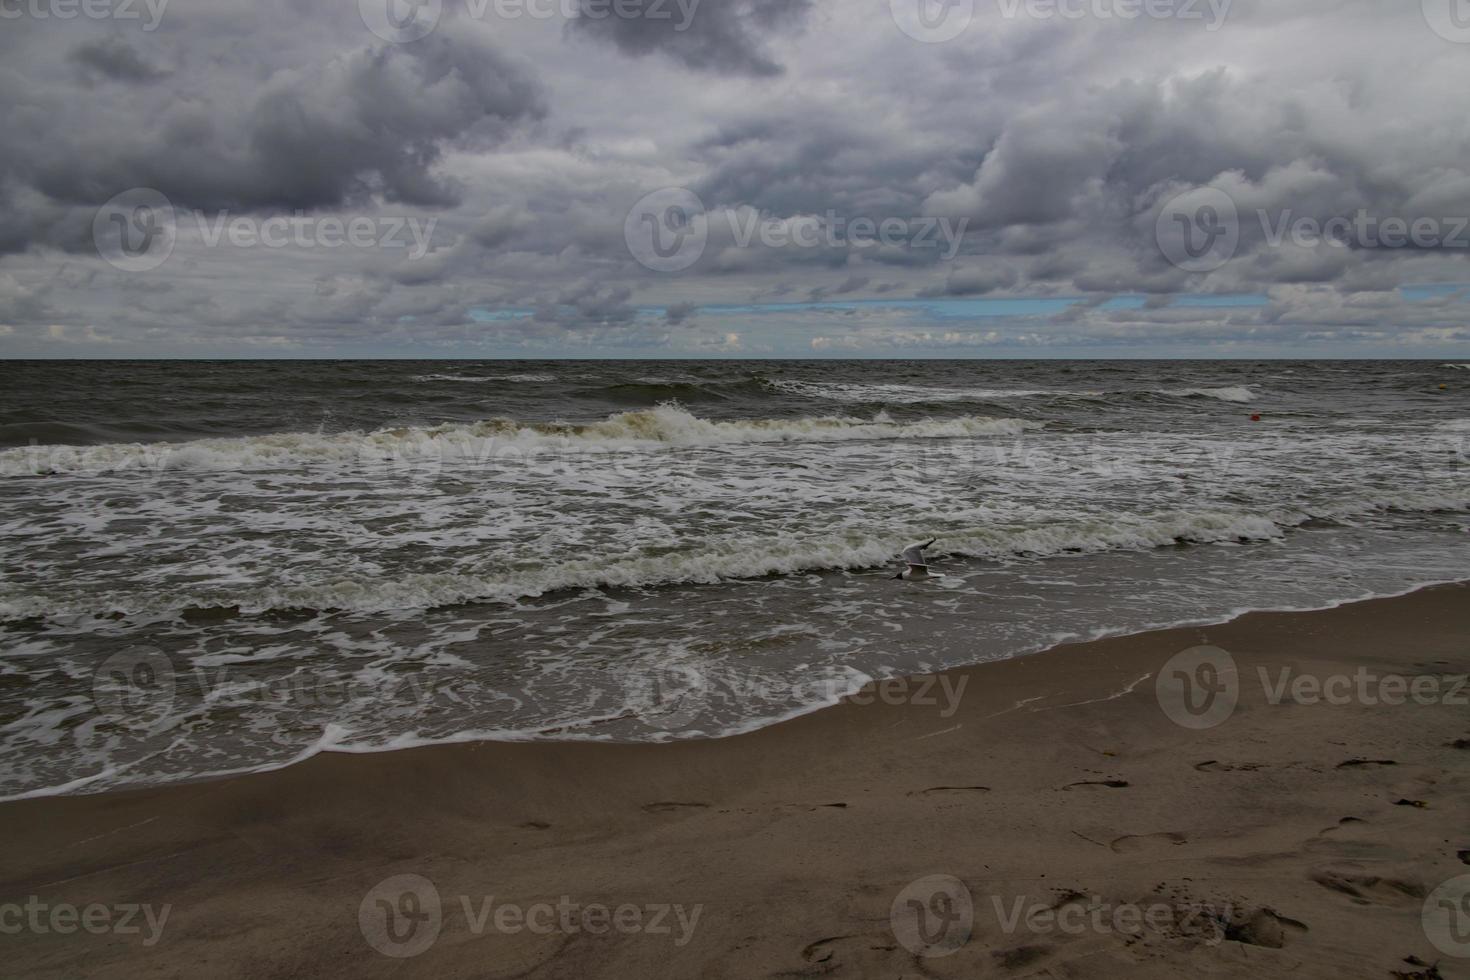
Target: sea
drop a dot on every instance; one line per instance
(219, 567)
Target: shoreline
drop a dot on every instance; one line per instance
(1053, 776)
(749, 728)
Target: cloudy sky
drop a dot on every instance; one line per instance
(695, 178)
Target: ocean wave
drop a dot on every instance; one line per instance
(479, 378)
(731, 559)
(1456, 367)
(668, 425)
(1234, 394)
(855, 393)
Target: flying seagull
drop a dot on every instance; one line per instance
(914, 557)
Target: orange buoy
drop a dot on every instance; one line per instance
(1255, 418)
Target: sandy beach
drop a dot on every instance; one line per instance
(1077, 829)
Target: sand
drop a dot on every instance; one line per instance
(1090, 835)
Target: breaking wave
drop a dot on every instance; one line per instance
(901, 394)
(1236, 394)
(668, 425)
(732, 558)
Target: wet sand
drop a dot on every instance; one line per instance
(1092, 834)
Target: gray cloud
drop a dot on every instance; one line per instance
(528, 140)
(726, 36)
(113, 59)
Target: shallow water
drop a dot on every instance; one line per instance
(212, 566)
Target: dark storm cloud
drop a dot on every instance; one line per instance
(320, 129)
(113, 59)
(849, 285)
(974, 282)
(370, 120)
(529, 139)
(726, 36)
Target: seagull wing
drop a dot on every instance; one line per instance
(914, 555)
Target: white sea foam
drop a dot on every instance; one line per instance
(722, 560)
(901, 394)
(481, 378)
(668, 425)
(1238, 394)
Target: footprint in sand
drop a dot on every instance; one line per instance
(1143, 842)
(1370, 889)
(1359, 763)
(673, 807)
(1216, 766)
(950, 789)
(1020, 957)
(1098, 784)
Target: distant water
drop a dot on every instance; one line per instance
(213, 567)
